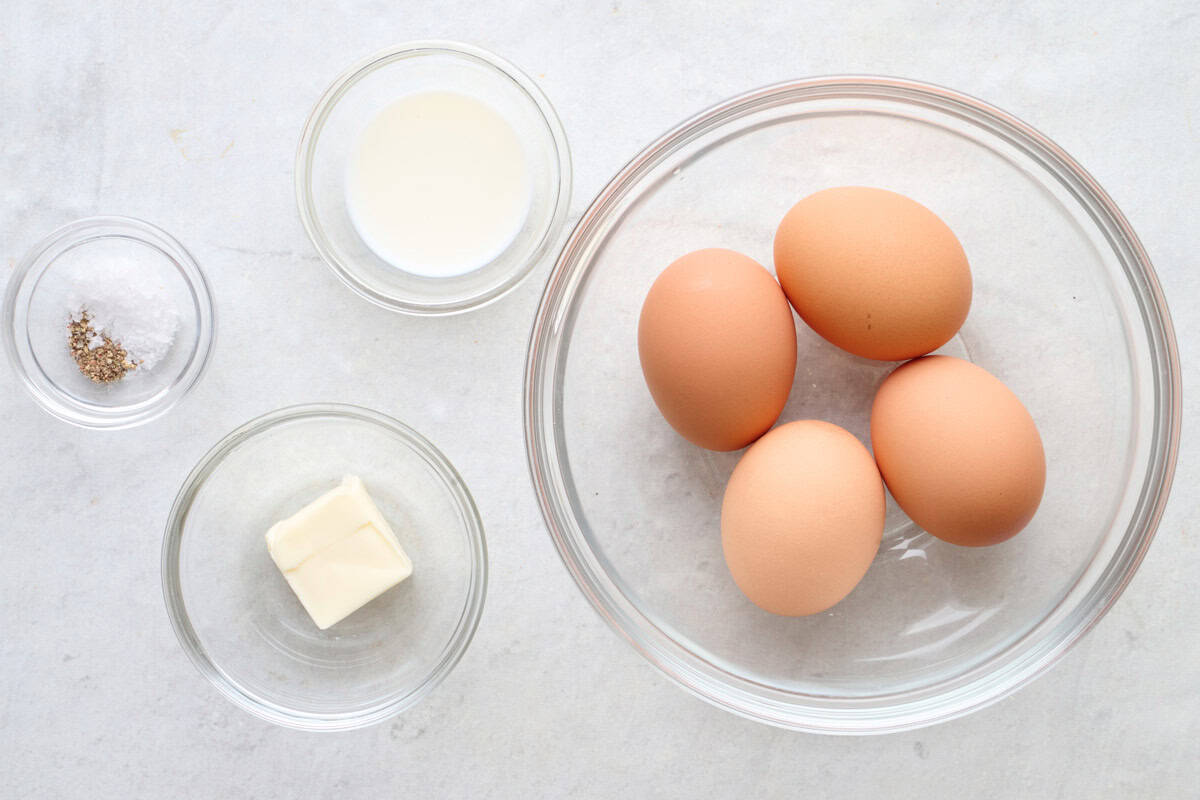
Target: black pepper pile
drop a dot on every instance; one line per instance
(105, 363)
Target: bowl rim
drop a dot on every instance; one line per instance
(979, 686)
(189, 640)
(15, 332)
(549, 237)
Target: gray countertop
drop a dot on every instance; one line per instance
(189, 118)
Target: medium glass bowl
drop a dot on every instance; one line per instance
(36, 314)
(1067, 312)
(355, 98)
(239, 621)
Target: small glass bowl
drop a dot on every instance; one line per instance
(1066, 311)
(36, 315)
(238, 619)
(354, 99)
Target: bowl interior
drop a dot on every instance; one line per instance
(637, 509)
(51, 300)
(250, 632)
(355, 99)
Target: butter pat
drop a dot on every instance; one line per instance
(338, 553)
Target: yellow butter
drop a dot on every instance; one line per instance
(338, 553)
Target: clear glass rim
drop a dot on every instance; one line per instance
(311, 134)
(18, 295)
(451, 654)
(997, 676)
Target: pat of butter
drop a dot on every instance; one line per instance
(338, 553)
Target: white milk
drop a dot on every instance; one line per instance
(438, 184)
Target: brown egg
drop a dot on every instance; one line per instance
(802, 517)
(958, 451)
(873, 272)
(718, 348)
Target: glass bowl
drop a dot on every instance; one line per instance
(36, 315)
(355, 98)
(1067, 312)
(241, 624)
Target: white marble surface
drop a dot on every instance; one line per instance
(187, 115)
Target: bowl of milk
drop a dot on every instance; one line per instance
(432, 177)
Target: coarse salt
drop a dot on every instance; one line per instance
(137, 313)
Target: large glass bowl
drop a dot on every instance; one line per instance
(1067, 312)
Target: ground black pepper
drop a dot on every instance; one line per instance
(104, 363)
